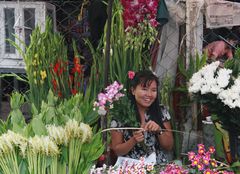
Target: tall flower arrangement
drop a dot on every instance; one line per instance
(48, 67)
(129, 44)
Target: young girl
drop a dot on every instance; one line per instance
(143, 94)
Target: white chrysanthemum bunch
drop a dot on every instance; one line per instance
(10, 143)
(10, 140)
(209, 80)
(57, 134)
(61, 135)
(74, 130)
(231, 96)
(42, 145)
(212, 80)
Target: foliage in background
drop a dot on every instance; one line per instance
(166, 100)
(234, 64)
(195, 63)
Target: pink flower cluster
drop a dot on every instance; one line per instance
(135, 11)
(173, 168)
(203, 162)
(105, 99)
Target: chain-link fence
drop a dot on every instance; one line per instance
(191, 27)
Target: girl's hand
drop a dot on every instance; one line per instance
(152, 126)
(138, 136)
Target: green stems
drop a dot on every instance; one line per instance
(74, 155)
(8, 163)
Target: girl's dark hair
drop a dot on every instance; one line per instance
(145, 78)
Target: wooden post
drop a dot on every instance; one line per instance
(106, 72)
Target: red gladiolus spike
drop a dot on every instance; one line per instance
(71, 78)
(74, 91)
(60, 94)
(54, 82)
(78, 68)
(76, 60)
(56, 67)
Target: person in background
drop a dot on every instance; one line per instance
(154, 120)
(220, 50)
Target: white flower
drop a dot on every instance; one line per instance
(223, 77)
(231, 96)
(215, 89)
(205, 89)
(57, 134)
(86, 132)
(10, 140)
(42, 145)
(237, 102)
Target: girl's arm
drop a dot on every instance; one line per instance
(121, 147)
(166, 138)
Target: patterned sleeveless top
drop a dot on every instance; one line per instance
(151, 143)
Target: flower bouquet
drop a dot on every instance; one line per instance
(219, 89)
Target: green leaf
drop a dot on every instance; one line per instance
(181, 66)
(38, 127)
(2, 127)
(14, 75)
(236, 164)
(34, 109)
(64, 154)
(17, 118)
(91, 118)
(48, 161)
(27, 131)
(23, 167)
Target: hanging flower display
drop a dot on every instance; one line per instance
(136, 11)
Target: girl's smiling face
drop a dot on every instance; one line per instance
(145, 95)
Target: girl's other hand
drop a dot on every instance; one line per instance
(138, 136)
